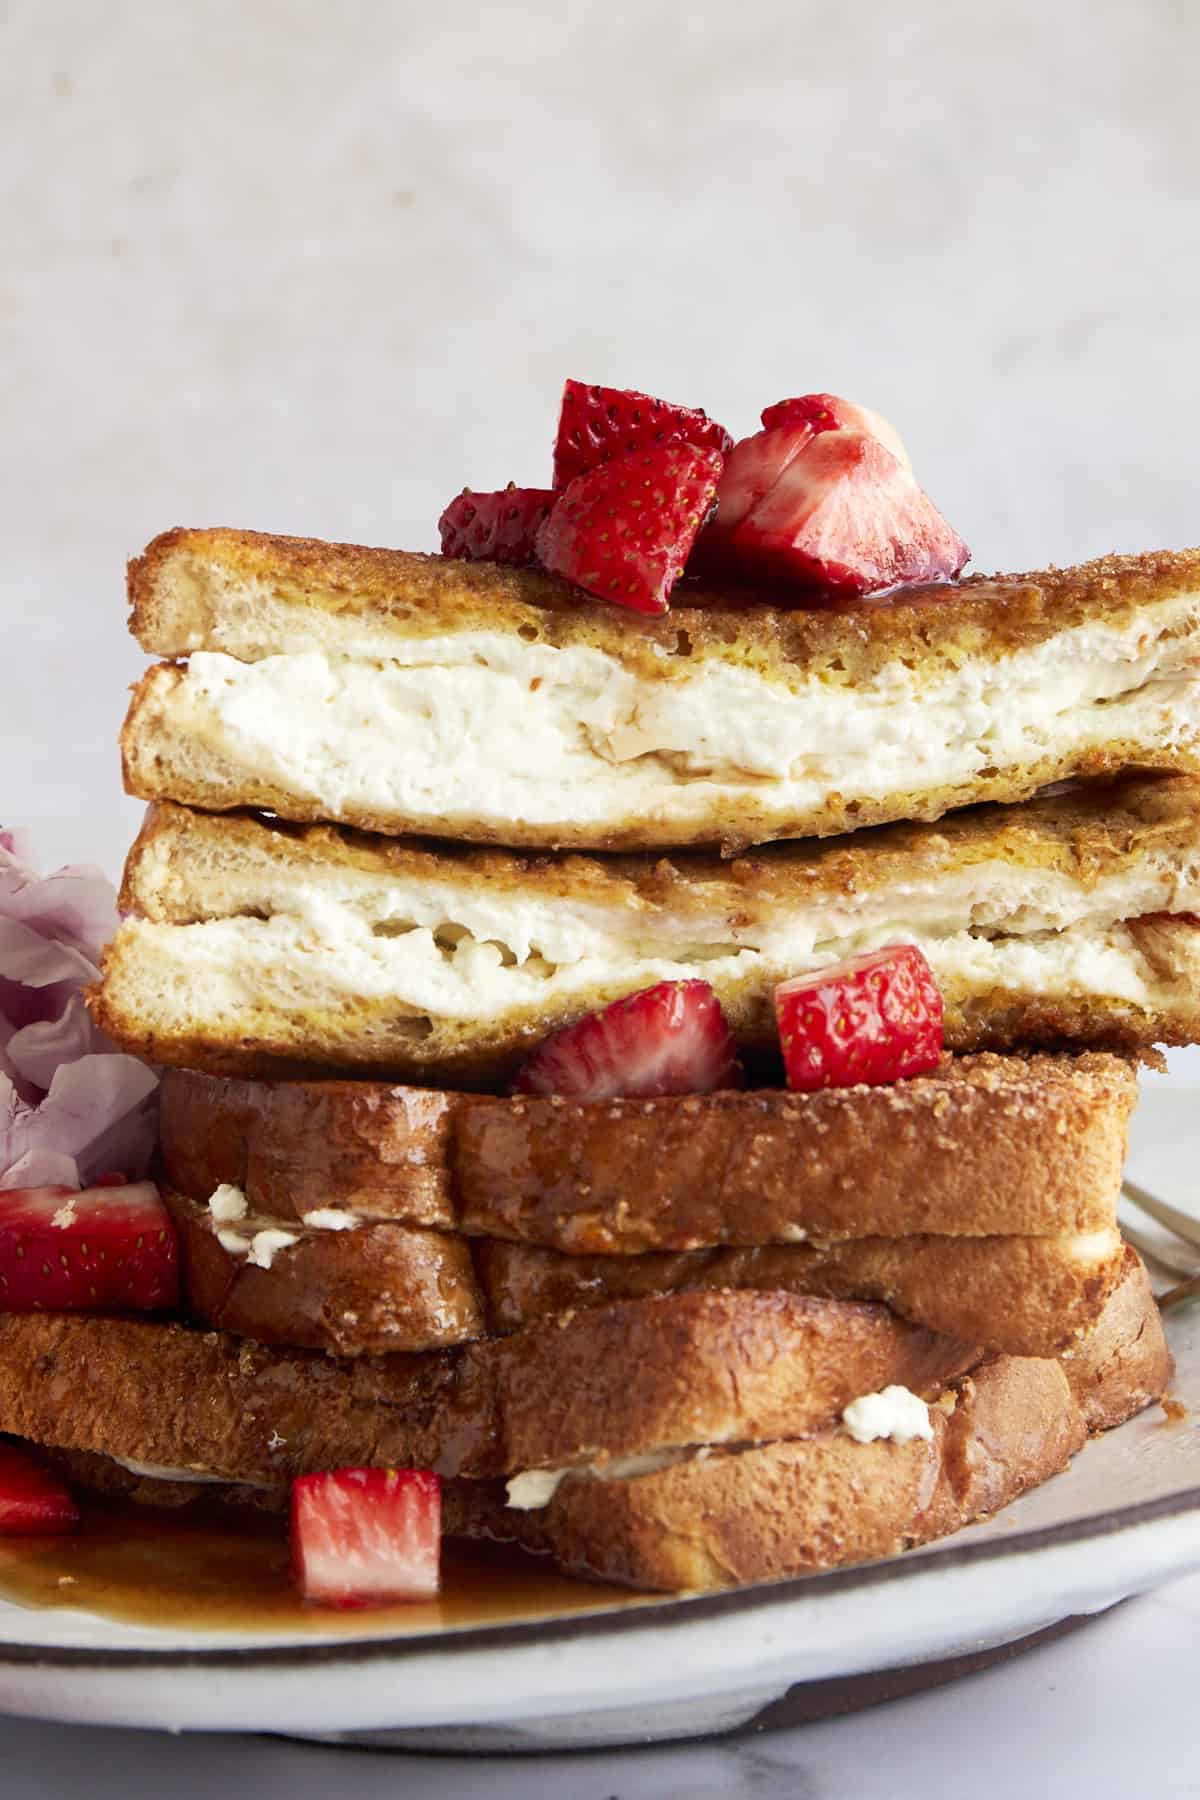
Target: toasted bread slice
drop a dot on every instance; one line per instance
(984, 1146)
(371, 1289)
(404, 693)
(629, 1379)
(258, 947)
(714, 1515)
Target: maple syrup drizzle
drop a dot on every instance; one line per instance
(220, 1572)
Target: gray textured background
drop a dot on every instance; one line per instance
(310, 267)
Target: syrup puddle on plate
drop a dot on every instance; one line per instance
(219, 1573)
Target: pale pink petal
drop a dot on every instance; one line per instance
(42, 1168)
(28, 957)
(37, 1051)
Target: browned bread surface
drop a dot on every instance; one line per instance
(1023, 1296)
(799, 1507)
(284, 1003)
(738, 1514)
(614, 1381)
(368, 1291)
(986, 1145)
(175, 605)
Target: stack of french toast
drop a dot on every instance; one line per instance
(654, 1052)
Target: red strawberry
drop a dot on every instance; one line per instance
(669, 1039)
(105, 1249)
(826, 412)
(623, 532)
(361, 1537)
(33, 1503)
(874, 1019)
(751, 470)
(597, 424)
(498, 527)
(845, 518)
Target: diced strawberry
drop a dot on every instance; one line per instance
(668, 1039)
(498, 527)
(827, 412)
(845, 518)
(623, 532)
(874, 1019)
(361, 1537)
(103, 1249)
(33, 1503)
(751, 470)
(597, 424)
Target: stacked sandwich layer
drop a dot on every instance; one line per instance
(680, 1340)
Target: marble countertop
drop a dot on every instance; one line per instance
(1104, 1711)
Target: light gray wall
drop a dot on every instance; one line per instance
(313, 266)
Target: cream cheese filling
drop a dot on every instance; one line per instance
(483, 725)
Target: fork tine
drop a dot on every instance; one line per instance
(1184, 1225)
(1186, 1290)
(1153, 1247)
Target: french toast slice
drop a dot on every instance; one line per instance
(405, 693)
(258, 948)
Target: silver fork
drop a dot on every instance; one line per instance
(1175, 1247)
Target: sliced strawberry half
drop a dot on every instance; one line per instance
(102, 1249)
(668, 1039)
(361, 1537)
(845, 518)
(829, 412)
(33, 1503)
(597, 424)
(874, 1019)
(497, 527)
(624, 531)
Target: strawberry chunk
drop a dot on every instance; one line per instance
(845, 518)
(33, 1503)
(624, 531)
(828, 412)
(361, 1537)
(498, 527)
(597, 424)
(668, 1039)
(874, 1019)
(103, 1249)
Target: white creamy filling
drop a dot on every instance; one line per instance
(535, 1488)
(221, 967)
(484, 725)
(158, 1472)
(895, 1413)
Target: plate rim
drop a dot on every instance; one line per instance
(667, 1611)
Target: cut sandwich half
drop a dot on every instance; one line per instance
(402, 693)
(979, 1201)
(255, 946)
(657, 1443)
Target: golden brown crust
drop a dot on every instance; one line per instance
(415, 593)
(799, 1507)
(1020, 1296)
(370, 1291)
(618, 1380)
(985, 1145)
(184, 865)
(745, 1514)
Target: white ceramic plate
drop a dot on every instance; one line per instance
(1124, 1517)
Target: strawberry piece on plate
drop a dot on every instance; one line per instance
(361, 1537)
(668, 1039)
(498, 527)
(828, 412)
(845, 518)
(101, 1249)
(597, 424)
(33, 1503)
(624, 531)
(874, 1019)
